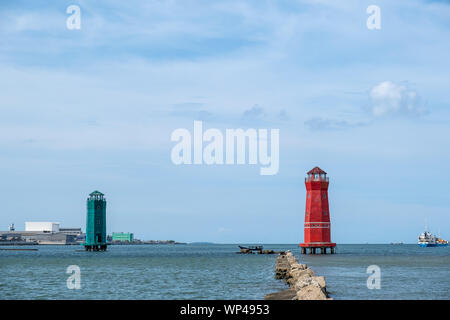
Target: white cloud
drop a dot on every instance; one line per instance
(255, 113)
(321, 124)
(389, 98)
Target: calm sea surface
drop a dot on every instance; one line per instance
(217, 272)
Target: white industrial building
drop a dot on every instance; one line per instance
(42, 233)
(47, 227)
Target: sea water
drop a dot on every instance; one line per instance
(216, 271)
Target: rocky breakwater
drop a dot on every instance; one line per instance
(303, 284)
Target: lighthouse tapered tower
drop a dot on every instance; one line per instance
(317, 213)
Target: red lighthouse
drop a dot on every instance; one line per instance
(317, 214)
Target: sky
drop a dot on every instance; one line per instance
(94, 108)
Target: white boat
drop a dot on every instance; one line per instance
(427, 239)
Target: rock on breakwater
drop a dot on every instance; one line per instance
(303, 284)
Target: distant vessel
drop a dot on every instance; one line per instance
(426, 239)
(251, 248)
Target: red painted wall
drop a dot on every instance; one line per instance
(317, 212)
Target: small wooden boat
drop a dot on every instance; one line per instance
(251, 248)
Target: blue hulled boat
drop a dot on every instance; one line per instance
(426, 239)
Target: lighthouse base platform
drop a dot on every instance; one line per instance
(95, 247)
(317, 247)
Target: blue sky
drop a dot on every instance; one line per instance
(94, 109)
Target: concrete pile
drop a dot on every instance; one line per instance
(303, 284)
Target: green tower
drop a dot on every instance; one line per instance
(96, 222)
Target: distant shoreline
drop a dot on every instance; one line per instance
(171, 242)
(9, 244)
